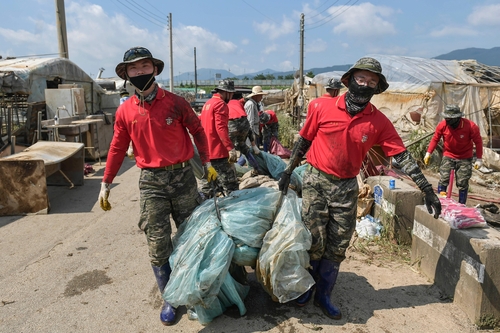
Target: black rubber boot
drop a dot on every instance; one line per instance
(306, 297)
(328, 272)
(162, 274)
(462, 196)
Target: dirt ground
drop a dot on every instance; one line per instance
(80, 269)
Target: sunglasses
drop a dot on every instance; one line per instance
(135, 53)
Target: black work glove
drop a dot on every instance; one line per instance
(432, 202)
(284, 182)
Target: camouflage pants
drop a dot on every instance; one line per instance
(329, 211)
(463, 172)
(164, 193)
(267, 132)
(226, 177)
(238, 133)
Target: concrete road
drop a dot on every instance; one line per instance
(80, 269)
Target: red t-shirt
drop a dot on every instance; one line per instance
(214, 118)
(340, 142)
(458, 142)
(236, 109)
(158, 132)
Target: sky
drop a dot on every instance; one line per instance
(247, 36)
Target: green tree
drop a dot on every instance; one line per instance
(259, 77)
(270, 77)
(310, 74)
(289, 77)
(246, 78)
(280, 77)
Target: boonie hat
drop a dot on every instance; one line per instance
(367, 64)
(452, 111)
(333, 84)
(257, 90)
(135, 54)
(225, 85)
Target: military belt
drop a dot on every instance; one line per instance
(324, 174)
(171, 167)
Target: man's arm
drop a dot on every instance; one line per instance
(411, 168)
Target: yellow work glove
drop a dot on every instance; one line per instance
(233, 156)
(427, 158)
(210, 172)
(478, 164)
(103, 196)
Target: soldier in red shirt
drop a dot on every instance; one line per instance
(333, 87)
(269, 126)
(240, 131)
(157, 122)
(214, 119)
(337, 134)
(458, 135)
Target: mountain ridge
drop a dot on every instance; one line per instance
(490, 57)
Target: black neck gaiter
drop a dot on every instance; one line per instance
(357, 97)
(453, 122)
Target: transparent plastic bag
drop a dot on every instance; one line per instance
(247, 214)
(283, 259)
(200, 259)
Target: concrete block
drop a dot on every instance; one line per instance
(395, 207)
(462, 263)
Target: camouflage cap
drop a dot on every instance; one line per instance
(367, 64)
(264, 117)
(226, 85)
(333, 84)
(452, 111)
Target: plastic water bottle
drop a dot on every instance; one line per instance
(392, 184)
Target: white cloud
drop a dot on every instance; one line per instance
(245, 41)
(316, 46)
(485, 15)
(273, 31)
(286, 66)
(365, 20)
(270, 49)
(452, 31)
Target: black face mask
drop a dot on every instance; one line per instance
(453, 122)
(142, 82)
(360, 94)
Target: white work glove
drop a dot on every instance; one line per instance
(103, 196)
(478, 164)
(256, 150)
(233, 156)
(427, 158)
(130, 152)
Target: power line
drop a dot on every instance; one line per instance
(332, 16)
(249, 5)
(158, 18)
(132, 10)
(324, 9)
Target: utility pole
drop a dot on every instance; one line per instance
(195, 76)
(300, 98)
(171, 54)
(61, 29)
